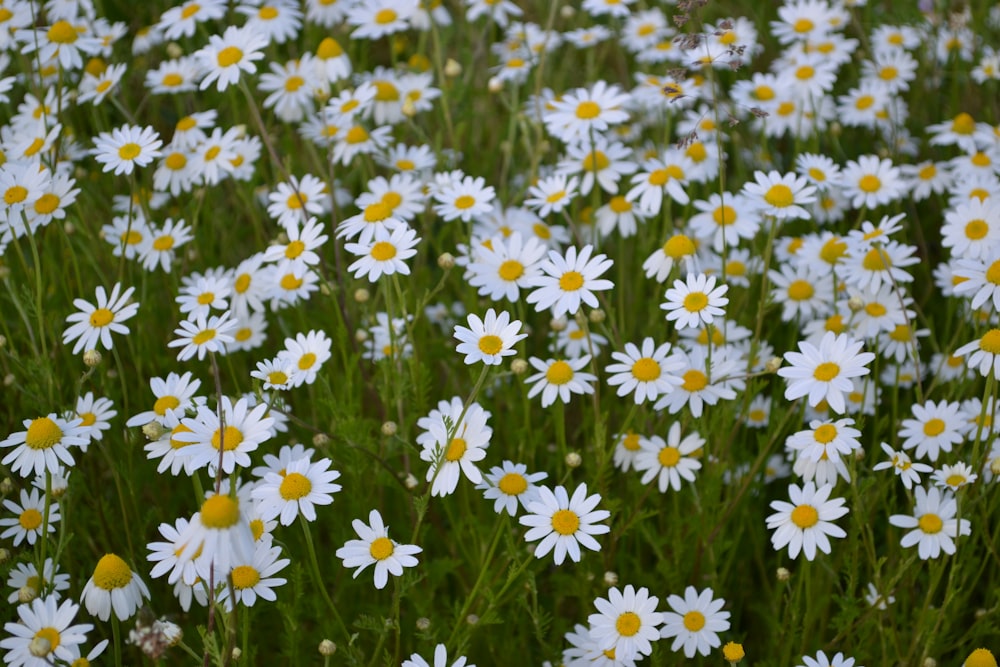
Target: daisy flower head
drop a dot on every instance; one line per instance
(805, 524)
(626, 623)
(26, 525)
(552, 194)
(695, 301)
(174, 394)
(648, 371)
(303, 485)
(821, 660)
(44, 633)
(724, 220)
(226, 56)
(560, 378)
(440, 659)
(94, 414)
(204, 335)
(127, 147)
(679, 249)
(159, 247)
(725, 369)
(694, 622)
(114, 586)
(871, 181)
(297, 201)
(578, 113)
(824, 372)
(954, 477)
(378, 18)
(666, 175)
(277, 20)
(628, 446)
(935, 428)
(564, 523)
(384, 253)
(489, 339)
(455, 437)
(670, 460)
(375, 548)
(26, 575)
(505, 266)
(245, 429)
(972, 229)
(510, 484)
(781, 196)
(218, 535)
(182, 20)
(933, 523)
(464, 199)
(306, 354)
(985, 354)
(255, 578)
(979, 278)
(569, 280)
(44, 444)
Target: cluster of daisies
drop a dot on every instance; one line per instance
(540, 242)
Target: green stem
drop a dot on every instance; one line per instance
(497, 534)
(314, 564)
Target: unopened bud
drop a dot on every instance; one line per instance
(69, 228)
(452, 68)
(995, 466)
(574, 460)
(567, 12)
(783, 574)
(327, 648)
(6, 486)
(518, 367)
(494, 85)
(360, 335)
(362, 295)
(446, 260)
(92, 358)
(154, 430)
(4, 556)
(610, 578)
(321, 440)
(409, 108)
(557, 323)
(773, 364)
(733, 652)
(855, 303)
(411, 482)
(40, 646)
(8, 379)
(389, 429)
(423, 624)
(26, 593)
(597, 316)
(980, 613)
(237, 653)
(3, 341)
(174, 50)
(324, 289)
(859, 454)
(4, 272)
(929, 662)
(471, 619)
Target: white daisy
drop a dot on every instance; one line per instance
(934, 525)
(113, 586)
(648, 371)
(255, 578)
(564, 523)
(375, 548)
(454, 438)
(805, 523)
(560, 378)
(43, 445)
(570, 280)
(694, 622)
(824, 372)
(489, 339)
(303, 485)
(93, 324)
(669, 461)
(127, 147)
(695, 301)
(510, 484)
(626, 624)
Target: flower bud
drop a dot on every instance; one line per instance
(452, 68)
(519, 367)
(92, 358)
(446, 260)
(494, 85)
(389, 429)
(327, 648)
(154, 430)
(423, 624)
(597, 316)
(320, 440)
(783, 574)
(733, 652)
(361, 295)
(574, 460)
(773, 364)
(610, 578)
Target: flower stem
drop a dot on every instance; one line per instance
(314, 565)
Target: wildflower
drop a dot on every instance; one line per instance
(648, 371)
(440, 659)
(384, 253)
(160, 245)
(934, 525)
(94, 414)
(302, 485)
(378, 18)
(871, 264)
(505, 266)
(295, 203)
(984, 355)
(972, 229)
(201, 294)
(667, 175)
(694, 622)
(824, 372)
(597, 159)
(936, 428)
(174, 394)
(878, 600)
(871, 182)
(628, 446)
(210, 443)
(464, 199)
(552, 194)
(225, 57)
(113, 586)
(697, 388)
(563, 523)
(510, 484)
(680, 249)
(217, 535)
(30, 515)
(453, 447)
(981, 657)
(560, 378)
(203, 335)
(780, 196)
(569, 280)
(954, 477)
(306, 353)
(805, 523)
(695, 301)
(44, 444)
(821, 660)
(906, 470)
(183, 20)
(255, 578)
(375, 548)
(582, 111)
(724, 220)
(489, 339)
(669, 461)
(626, 623)
(127, 147)
(43, 633)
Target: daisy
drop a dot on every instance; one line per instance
(379, 18)
(781, 196)
(127, 147)
(869, 265)
(213, 158)
(375, 548)
(174, 394)
(724, 220)
(43, 445)
(985, 355)
(926, 178)
(113, 586)
(825, 440)
(454, 438)
(302, 485)
(225, 57)
(178, 75)
(159, 247)
(255, 578)
(649, 371)
(934, 525)
(201, 294)
(805, 524)
(174, 174)
(505, 266)
(695, 301)
(64, 42)
(659, 176)
(954, 476)
(295, 202)
(489, 339)
(837, 660)
(94, 89)
(43, 633)
(440, 659)
(217, 535)
(627, 622)
(29, 517)
(306, 354)
(581, 112)
(203, 335)
(724, 378)
(552, 194)
(94, 324)
(510, 484)
(871, 181)
(165, 556)
(569, 280)
(936, 428)
(470, 197)
(560, 378)
(25, 575)
(277, 20)
(183, 20)
(563, 523)
(824, 372)
(384, 253)
(669, 461)
(94, 414)
(599, 160)
(694, 622)
(679, 249)
(210, 444)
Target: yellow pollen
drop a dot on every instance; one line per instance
(89, 418)
(385, 91)
(804, 73)
(679, 245)
(392, 199)
(565, 522)
(805, 516)
(993, 273)
(596, 161)
(669, 456)
(206, 298)
(101, 317)
(30, 519)
(981, 159)
(764, 93)
(513, 484)
(203, 337)
(735, 267)
(803, 25)
(220, 512)
(757, 415)
(963, 123)
(870, 183)
(46, 204)
(697, 152)
(43, 433)
(62, 32)
(383, 251)
(976, 229)
(51, 638)
(464, 202)
(306, 361)
(381, 548)
(174, 442)
(779, 195)
(990, 342)
(930, 523)
(231, 440)
(510, 270)
(129, 151)
(800, 290)
(111, 573)
(875, 309)
(212, 153)
(619, 204)
(694, 621)
(245, 576)
(556, 196)
(405, 165)
(864, 102)
(833, 250)
(979, 193)
(587, 110)
(356, 135)
(694, 380)
(277, 378)
(559, 373)
(628, 624)
(268, 13)
(888, 73)
(294, 249)
(377, 212)
(293, 83)
(646, 369)
(786, 108)
(724, 215)
(165, 403)
(571, 281)
(826, 371)
(385, 16)
(695, 302)
(901, 333)
(825, 434)
(490, 344)
(229, 56)
(294, 486)
(456, 450)
(876, 260)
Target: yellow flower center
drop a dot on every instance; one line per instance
(559, 373)
(385, 91)
(804, 73)
(51, 639)
(245, 576)
(356, 135)
(490, 344)
(735, 267)
(220, 512)
(963, 123)
(930, 523)
(764, 93)
(89, 419)
(174, 442)
(628, 624)
(295, 486)
(329, 48)
(646, 369)
(203, 337)
(981, 657)
(596, 161)
(383, 251)
(876, 260)
(230, 440)
(695, 302)
(724, 215)
(833, 250)
(694, 380)
(30, 519)
(293, 83)
(587, 110)
(129, 151)
(294, 249)
(15, 194)
(694, 621)
(571, 281)
(511, 270)
(456, 450)
(190, 10)
(101, 317)
(779, 195)
(803, 25)
(385, 16)
(165, 403)
(62, 32)
(377, 212)
(513, 484)
(800, 290)
(306, 361)
(290, 282)
(464, 202)
(669, 456)
(826, 371)
(870, 183)
(864, 102)
(805, 516)
(990, 342)
(679, 245)
(875, 309)
(268, 13)
(381, 548)
(277, 378)
(42, 434)
(229, 56)
(111, 573)
(565, 522)
(46, 203)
